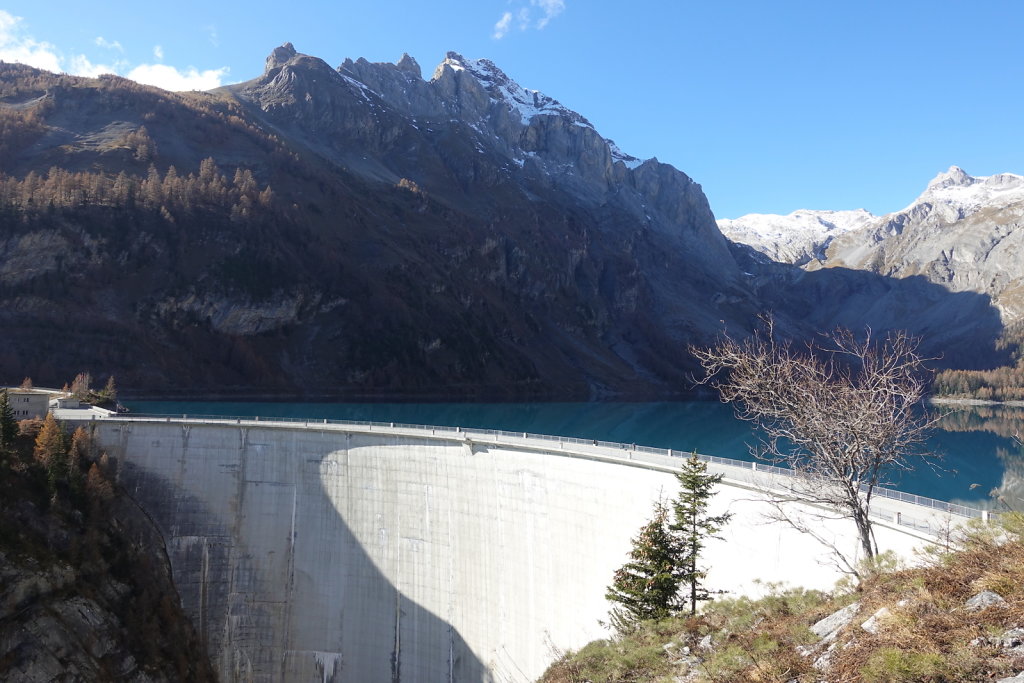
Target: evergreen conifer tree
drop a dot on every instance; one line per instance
(647, 585)
(8, 425)
(693, 525)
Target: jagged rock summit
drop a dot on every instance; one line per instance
(461, 235)
(280, 56)
(409, 66)
(503, 129)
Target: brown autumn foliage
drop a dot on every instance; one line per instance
(50, 441)
(170, 193)
(999, 384)
(97, 485)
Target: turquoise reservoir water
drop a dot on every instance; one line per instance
(978, 452)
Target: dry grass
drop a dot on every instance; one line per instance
(927, 636)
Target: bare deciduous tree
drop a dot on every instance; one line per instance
(842, 414)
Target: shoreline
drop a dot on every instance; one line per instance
(941, 400)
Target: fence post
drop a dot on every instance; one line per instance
(984, 516)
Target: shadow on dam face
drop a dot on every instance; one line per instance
(277, 582)
(320, 554)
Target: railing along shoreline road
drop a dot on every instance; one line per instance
(730, 466)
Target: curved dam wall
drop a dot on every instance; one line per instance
(326, 553)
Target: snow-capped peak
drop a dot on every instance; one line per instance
(966, 193)
(955, 176)
(803, 221)
(796, 238)
(951, 196)
(527, 103)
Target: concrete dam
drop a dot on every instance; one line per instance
(345, 552)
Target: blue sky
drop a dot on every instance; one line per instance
(772, 107)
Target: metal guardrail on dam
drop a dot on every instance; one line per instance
(738, 471)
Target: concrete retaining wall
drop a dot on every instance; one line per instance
(334, 554)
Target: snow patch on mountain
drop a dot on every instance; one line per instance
(527, 103)
(968, 194)
(797, 238)
(629, 160)
(803, 236)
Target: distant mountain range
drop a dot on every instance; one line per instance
(963, 233)
(361, 231)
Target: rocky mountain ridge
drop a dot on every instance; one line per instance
(356, 231)
(797, 238)
(962, 233)
(365, 232)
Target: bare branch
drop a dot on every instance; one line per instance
(842, 413)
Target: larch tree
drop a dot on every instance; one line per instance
(81, 386)
(51, 449)
(109, 392)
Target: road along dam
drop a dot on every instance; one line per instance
(346, 552)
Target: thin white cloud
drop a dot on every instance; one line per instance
(158, 52)
(524, 18)
(109, 44)
(80, 65)
(170, 78)
(524, 13)
(550, 8)
(211, 34)
(16, 45)
(501, 28)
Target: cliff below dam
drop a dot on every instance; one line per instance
(316, 552)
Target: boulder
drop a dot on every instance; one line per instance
(828, 628)
(873, 624)
(984, 600)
